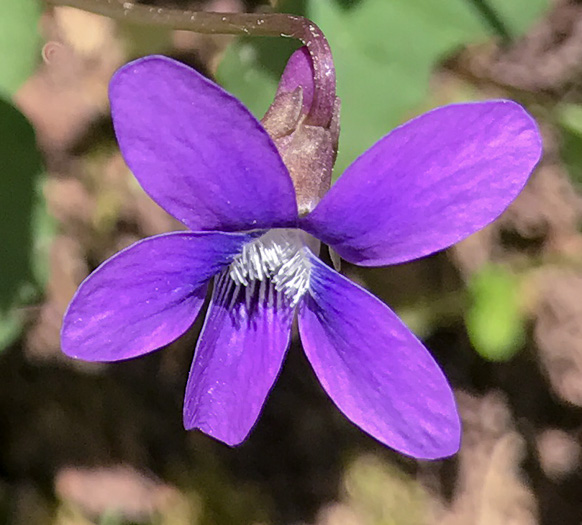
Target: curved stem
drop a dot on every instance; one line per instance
(255, 24)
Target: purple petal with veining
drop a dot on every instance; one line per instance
(145, 296)
(375, 370)
(429, 183)
(197, 151)
(237, 359)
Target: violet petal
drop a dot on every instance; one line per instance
(197, 151)
(375, 370)
(429, 183)
(145, 296)
(299, 73)
(238, 357)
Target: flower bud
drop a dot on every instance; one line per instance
(309, 151)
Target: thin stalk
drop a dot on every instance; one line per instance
(252, 24)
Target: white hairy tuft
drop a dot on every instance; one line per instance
(280, 257)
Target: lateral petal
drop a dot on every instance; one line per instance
(145, 296)
(237, 359)
(430, 183)
(375, 370)
(197, 151)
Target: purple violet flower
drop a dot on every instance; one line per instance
(202, 156)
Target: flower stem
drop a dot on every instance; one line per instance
(253, 24)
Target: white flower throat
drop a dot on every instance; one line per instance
(280, 256)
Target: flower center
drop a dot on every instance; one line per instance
(279, 256)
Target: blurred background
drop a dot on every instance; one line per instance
(502, 311)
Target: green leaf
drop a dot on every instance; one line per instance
(27, 229)
(384, 51)
(569, 117)
(518, 15)
(494, 320)
(251, 67)
(19, 42)
(11, 324)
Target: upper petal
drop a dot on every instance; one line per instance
(196, 150)
(238, 357)
(145, 296)
(429, 183)
(375, 370)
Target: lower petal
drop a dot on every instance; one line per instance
(375, 370)
(145, 296)
(238, 358)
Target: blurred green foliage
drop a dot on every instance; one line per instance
(27, 229)
(382, 494)
(494, 320)
(385, 52)
(570, 121)
(19, 42)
